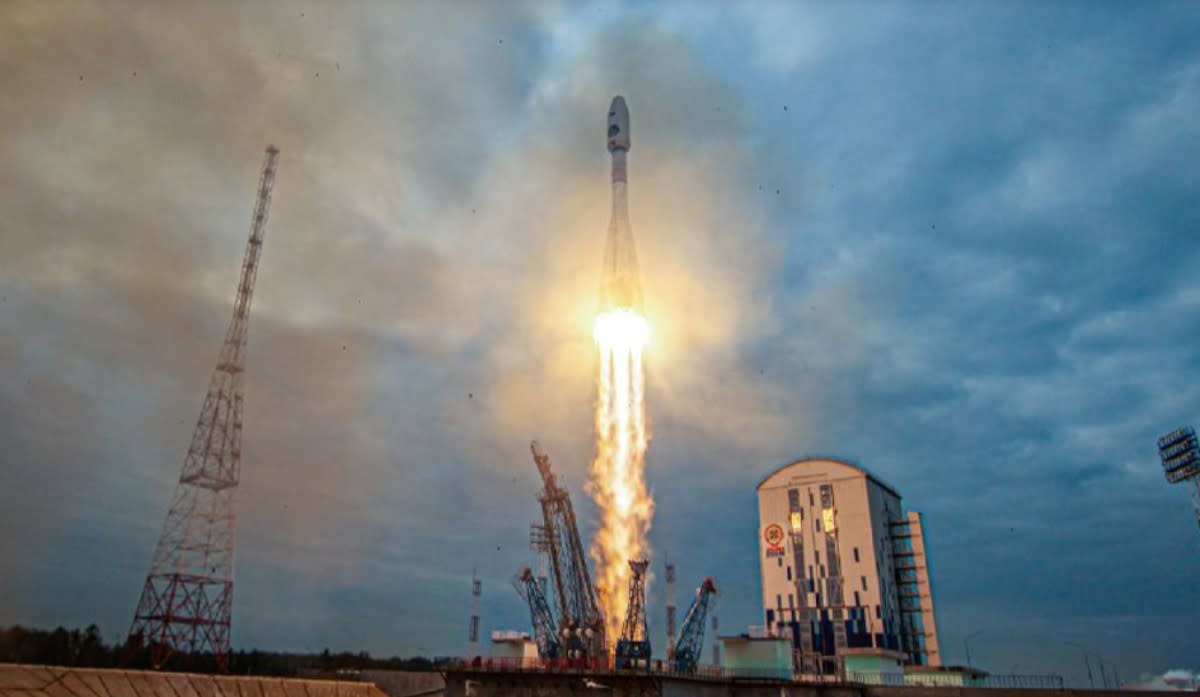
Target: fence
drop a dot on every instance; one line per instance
(660, 668)
(602, 666)
(955, 679)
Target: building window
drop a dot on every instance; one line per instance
(857, 601)
(811, 500)
(779, 601)
(856, 554)
(864, 582)
(810, 573)
(791, 600)
(818, 598)
(780, 560)
(789, 573)
(794, 499)
(817, 555)
(822, 571)
(817, 524)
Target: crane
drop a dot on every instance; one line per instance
(545, 632)
(633, 647)
(581, 626)
(691, 635)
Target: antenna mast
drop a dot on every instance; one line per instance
(186, 602)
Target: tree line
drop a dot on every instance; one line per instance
(86, 648)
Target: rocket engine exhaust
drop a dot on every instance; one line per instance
(621, 333)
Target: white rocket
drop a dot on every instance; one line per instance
(620, 285)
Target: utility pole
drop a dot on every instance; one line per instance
(1086, 663)
(967, 645)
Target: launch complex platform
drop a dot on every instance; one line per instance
(467, 680)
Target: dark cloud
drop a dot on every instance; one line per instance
(961, 255)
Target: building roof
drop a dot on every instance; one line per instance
(746, 638)
(964, 670)
(835, 460)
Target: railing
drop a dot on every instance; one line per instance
(953, 679)
(598, 667)
(602, 667)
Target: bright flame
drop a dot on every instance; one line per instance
(618, 483)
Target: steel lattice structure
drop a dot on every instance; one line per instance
(581, 625)
(539, 544)
(186, 602)
(545, 632)
(691, 635)
(476, 595)
(670, 610)
(633, 647)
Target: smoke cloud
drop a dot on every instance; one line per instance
(1175, 679)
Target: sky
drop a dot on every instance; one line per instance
(955, 243)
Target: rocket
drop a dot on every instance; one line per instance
(618, 130)
(620, 285)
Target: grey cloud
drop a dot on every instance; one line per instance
(961, 283)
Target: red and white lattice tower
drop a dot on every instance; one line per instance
(188, 597)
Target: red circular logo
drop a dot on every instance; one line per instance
(773, 534)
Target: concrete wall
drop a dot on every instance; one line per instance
(558, 685)
(53, 681)
(405, 683)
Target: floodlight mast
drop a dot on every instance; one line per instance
(1179, 451)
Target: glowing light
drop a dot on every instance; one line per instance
(618, 482)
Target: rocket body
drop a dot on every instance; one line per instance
(621, 286)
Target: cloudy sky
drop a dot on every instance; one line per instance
(954, 242)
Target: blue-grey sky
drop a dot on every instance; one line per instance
(954, 242)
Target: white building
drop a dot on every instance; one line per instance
(843, 568)
(511, 645)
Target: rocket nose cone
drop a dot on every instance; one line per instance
(618, 124)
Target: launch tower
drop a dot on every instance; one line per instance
(633, 646)
(581, 624)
